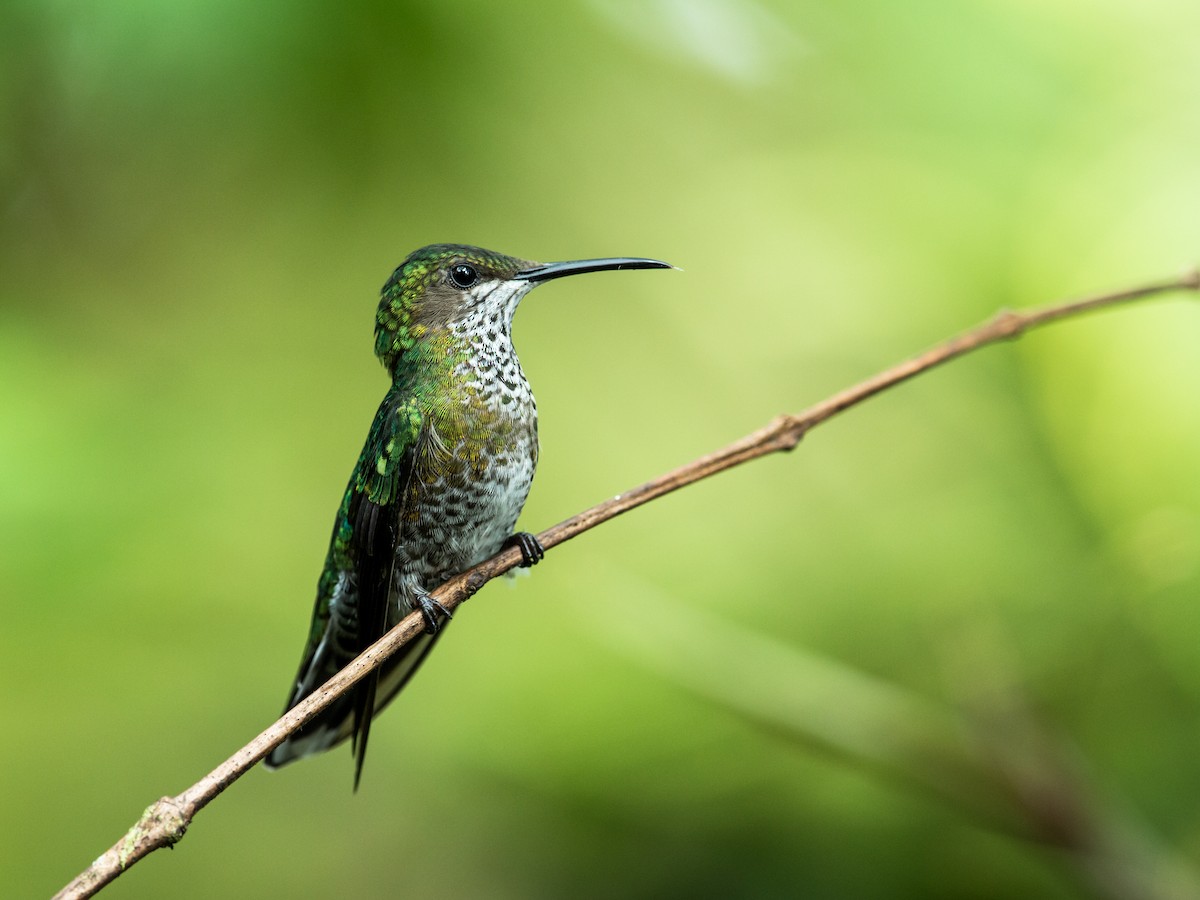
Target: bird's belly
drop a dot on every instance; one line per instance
(465, 516)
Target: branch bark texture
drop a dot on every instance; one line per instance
(165, 821)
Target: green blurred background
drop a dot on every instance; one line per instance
(198, 204)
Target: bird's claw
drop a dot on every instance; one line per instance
(532, 551)
(430, 608)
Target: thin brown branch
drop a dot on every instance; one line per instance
(164, 822)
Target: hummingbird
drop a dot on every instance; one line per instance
(441, 479)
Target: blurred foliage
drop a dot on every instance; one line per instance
(198, 204)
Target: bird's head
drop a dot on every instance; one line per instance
(449, 287)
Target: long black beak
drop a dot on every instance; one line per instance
(579, 266)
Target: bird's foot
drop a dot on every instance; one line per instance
(430, 608)
(531, 548)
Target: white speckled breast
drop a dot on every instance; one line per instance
(467, 511)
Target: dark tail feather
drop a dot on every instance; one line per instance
(377, 524)
(349, 716)
(364, 712)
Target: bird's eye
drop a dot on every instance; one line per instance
(463, 275)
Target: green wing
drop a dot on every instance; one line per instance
(353, 592)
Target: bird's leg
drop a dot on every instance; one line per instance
(531, 548)
(430, 608)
